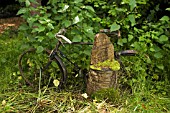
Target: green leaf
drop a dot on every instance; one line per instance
(77, 38)
(23, 27)
(114, 27)
(67, 23)
(155, 76)
(152, 49)
(40, 29)
(87, 52)
(120, 42)
(39, 49)
(76, 20)
(64, 8)
(3, 60)
(130, 37)
(22, 11)
(89, 8)
(132, 4)
(27, 3)
(132, 19)
(42, 21)
(124, 40)
(158, 55)
(168, 9)
(50, 25)
(167, 45)
(163, 38)
(50, 35)
(40, 38)
(165, 18)
(160, 66)
(78, 1)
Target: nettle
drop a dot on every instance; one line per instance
(73, 15)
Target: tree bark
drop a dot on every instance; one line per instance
(102, 50)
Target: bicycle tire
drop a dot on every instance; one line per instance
(29, 68)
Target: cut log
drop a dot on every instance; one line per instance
(102, 76)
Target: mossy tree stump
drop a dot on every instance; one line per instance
(102, 72)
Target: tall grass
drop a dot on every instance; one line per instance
(10, 48)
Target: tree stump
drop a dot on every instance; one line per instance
(102, 76)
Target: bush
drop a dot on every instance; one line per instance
(140, 30)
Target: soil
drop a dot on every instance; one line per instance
(10, 23)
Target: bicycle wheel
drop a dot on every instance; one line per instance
(34, 67)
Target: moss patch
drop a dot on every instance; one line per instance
(110, 94)
(108, 64)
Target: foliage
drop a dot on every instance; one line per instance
(73, 15)
(143, 29)
(10, 49)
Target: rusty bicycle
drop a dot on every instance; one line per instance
(31, 66)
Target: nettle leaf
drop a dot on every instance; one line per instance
(114, 27)
(130, 37)
(42, 21)
(22, 11)
(163, 38)
(132, 19)
(64, 8)
(165, 18)
(156, 48)
(77, 38)
(89, 8)
(66, 23)
(78, 1)
(50, 25)
(160, 66)
(3, 60)
(132, 4)
(167, 45)
(50, 35)
(40, 29)
(158, 55)
(23, 27)
(27, 3)
(120, 42)
(40, 38)
(76, 20)
(152, 49)
(39, 49)
(87, 52)
(124, 40)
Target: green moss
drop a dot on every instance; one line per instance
(108, 64)
(110, 94)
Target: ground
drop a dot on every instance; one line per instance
(7, 23)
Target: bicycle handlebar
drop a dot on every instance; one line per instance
(125, 53)
(59, 35)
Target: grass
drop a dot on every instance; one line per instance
(17, 98)
(9, 50)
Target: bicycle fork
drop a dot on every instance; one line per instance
(55, 57)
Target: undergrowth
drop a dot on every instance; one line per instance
(15, 97)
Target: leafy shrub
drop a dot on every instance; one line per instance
(140, 30)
